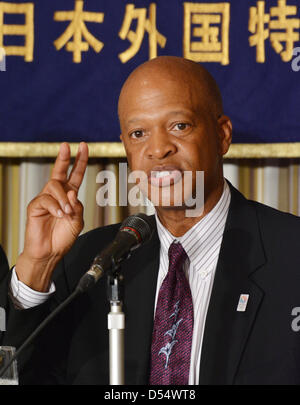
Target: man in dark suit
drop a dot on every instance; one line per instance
(172, 121)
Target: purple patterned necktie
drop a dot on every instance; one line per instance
(173, 325)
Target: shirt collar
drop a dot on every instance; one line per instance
(208, 228)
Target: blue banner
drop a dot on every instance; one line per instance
(63, 63)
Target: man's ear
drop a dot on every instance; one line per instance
(225, 133)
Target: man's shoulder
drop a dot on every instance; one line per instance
(279, 230)
(276, 228)
(270, 215)
(265, 213)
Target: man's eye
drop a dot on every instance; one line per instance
(136, 134)
(181, 126)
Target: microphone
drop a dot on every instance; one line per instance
(133, 233)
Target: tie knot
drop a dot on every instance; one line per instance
(177, 254)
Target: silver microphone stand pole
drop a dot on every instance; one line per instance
(116, 327)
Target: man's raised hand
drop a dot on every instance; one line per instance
(54, 220)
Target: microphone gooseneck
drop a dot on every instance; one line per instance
(133, 233)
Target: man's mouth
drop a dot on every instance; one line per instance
(162, 177)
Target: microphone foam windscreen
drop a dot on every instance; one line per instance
(141, 223)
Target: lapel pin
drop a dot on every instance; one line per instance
(242, 304)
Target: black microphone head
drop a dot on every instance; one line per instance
(141, 225)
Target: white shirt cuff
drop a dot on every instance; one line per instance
(24, 297)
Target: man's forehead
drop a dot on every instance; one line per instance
(160, 92)
(170, 75)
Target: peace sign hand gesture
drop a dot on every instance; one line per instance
(54, 220)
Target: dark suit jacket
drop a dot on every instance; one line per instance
(259, 256)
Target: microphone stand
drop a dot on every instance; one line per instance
(116, 327)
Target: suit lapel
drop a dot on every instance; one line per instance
(226, 329)
(140, 278)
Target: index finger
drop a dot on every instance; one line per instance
(62, 163)
(78, 170)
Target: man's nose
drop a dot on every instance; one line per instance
(160, 145)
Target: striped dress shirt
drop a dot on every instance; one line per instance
(202, 244)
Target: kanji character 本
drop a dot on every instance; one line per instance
(284, 26)
(208, 22)
(78, 30)
(26, 30)
(143, 24)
